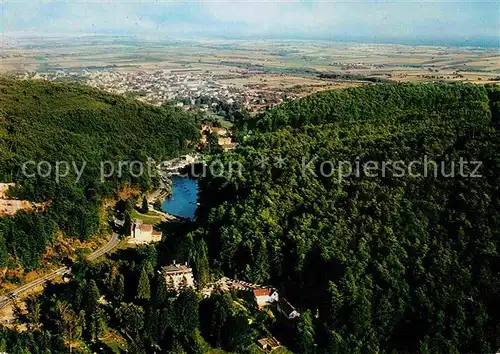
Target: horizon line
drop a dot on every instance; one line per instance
(481, 42)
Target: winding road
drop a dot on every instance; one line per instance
(8, 297)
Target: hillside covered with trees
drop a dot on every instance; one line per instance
(41, 121)
(373, 103)
(389, 263)
(397, 262)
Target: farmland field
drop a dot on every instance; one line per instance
(271, 65)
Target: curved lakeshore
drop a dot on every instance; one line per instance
(183, 199)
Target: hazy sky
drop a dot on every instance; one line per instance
(378, 20)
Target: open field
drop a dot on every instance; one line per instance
(253, 74)
(150, 218)
(282, 64)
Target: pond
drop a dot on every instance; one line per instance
(184, 197)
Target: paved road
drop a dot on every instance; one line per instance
(4, 300)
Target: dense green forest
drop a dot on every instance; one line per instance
(388, 263)
(41, 121)
(399, 101)
(392, 262)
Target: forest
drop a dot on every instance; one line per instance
(41, 121)
(387, 263)
(370, 103)
(392, 263)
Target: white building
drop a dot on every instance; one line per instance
(265, 296)
(178, 275)
(141, 233)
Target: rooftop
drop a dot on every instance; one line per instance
(285, 307)
(4, 187)
(262, 292)
(146, 228)
(176, 268)
(268, 343)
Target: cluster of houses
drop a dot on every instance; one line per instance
(180, 276)
(183, 85)
(268, 344)
(153, 86)
(174, 166)
(262, 295)
(224, 138)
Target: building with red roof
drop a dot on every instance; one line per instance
(265, 296)
(142, 233)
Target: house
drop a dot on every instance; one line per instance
(287, 309)
(178, 275)
(224, 137)
(265, 296)
(141, 233)
(268, 344)
(219, 131)
(227, 284)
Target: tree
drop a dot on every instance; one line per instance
(145, 205)
(202, 270)
(137, 346)
(3, 252)
(161, 293)
(187, 312)
(361, 251)
(150, 271)
(97, 324)
(79, 131)
(94, 315)
(221, 311)
(92, 296)
(143, 286)
(119, 289)
(212, 143)
(305, 333)
(157, 204)
(127, 225)
(238, 333)
(69, 324)
(130, 318)
(33, 312)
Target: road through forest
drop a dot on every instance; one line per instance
(8, 297)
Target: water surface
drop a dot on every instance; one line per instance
(184, 197)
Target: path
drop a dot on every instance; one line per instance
(8, 297)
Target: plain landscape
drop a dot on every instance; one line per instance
(269, 69)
